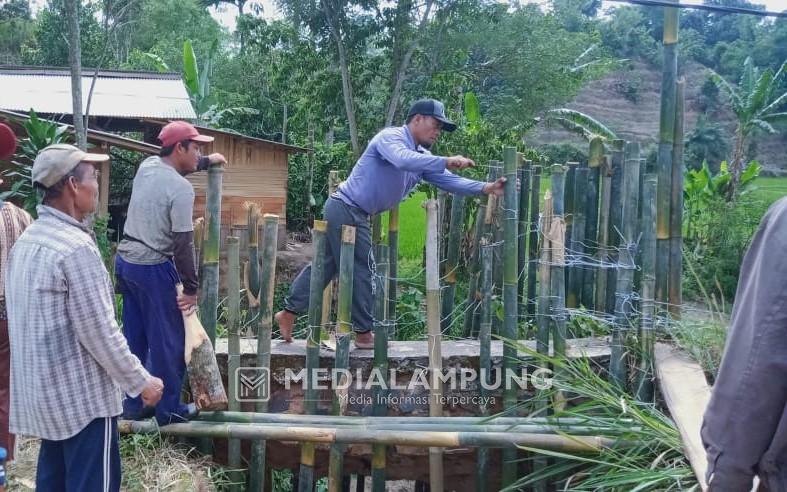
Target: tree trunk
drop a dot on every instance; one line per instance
(401, 72)
(737, 162)
(75, 64)
(344, 65)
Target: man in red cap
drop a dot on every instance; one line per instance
(13, 220)
(157, 252)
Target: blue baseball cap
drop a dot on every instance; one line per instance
(434, 108)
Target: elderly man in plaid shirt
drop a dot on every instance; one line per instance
(70, 364)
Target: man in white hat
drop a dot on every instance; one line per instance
(70, 364)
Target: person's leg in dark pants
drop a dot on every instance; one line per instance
(51, 468)
(86, 462)
(134, 331)
(6, 438)
(153, 289)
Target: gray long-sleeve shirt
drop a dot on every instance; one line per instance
(745, 425)
(70, 363)
(391, 166)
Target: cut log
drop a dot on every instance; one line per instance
(207, 388)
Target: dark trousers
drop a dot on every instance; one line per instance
(86, 462)
(6, 438)
(337, 213)
(153, 326)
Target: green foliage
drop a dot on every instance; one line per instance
(706, 142)
(40, 133)
(580, 123)
(654, 462)
(704, 339)
(563, 153)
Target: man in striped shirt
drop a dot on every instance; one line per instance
(70, 364)
(13, 220)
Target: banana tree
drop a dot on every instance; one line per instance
(757, 102)
(580, 124)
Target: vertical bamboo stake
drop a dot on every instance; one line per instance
(568, 216)
(544, 283)
(306, 475)
(664, 163)
(252, 277)
(485, 343)
(645, 383)
(577, 248)
(557, 272)
(676, 209)
(605, 199)
(233, 347)
(535, 194)
(452, 260)
(327, 293)
(522, 234)
(433, 329)
(393, 266)
(472, 317)
(595, 159)
(343, 333)
(380, 408)
(209, 288)
(625, 276)
(615, 220)
(310, 183)
(510, 284)
(442, 206)
(267, 286)
(209, 281)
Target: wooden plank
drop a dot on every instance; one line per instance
(686, 392)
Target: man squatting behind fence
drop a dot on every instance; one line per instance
(394, 162)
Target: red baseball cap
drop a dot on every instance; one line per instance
(7, 142)
(177, 131)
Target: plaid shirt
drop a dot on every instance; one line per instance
(13, 220)
(70, 363)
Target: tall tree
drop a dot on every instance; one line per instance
(75, 65)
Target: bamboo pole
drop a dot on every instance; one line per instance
(522, 234)
(549, 442)
(605, 199)
(557, 271)
(380, 408)
(645, 392)
(544, 283)
(343, 335)
(568, 215)
(664, 162)
(442, 206)
(317, 283)
(452, 261)
(676, 208)
(625, 277)
(393, 267)
(433, 329)
(577, 248)
(615, 221)
(209, 275)
(305, 420)
(233, 348)
(532, 243)
(510, 298)
(595, 160)
(267, 286)
(209, 288)
(485, 344)
(252, 274)
(472, 318)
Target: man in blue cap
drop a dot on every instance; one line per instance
(394, 162)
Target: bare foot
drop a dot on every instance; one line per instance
(364, 340)
(285, 320)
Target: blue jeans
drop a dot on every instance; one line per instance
(153, 326)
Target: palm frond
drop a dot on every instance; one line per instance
(776, 104)
(775, 118)
(728, 89)
(581, 123)
(764, 126)
(759, 97)
(749, 76)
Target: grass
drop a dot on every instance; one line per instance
(770, 188)
(412, 226)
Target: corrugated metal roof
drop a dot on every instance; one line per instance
(117, 94)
